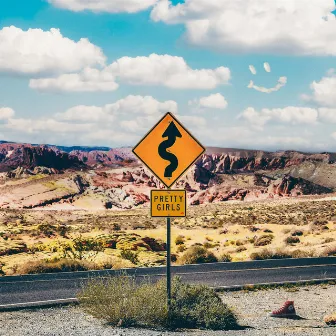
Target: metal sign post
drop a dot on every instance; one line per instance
(168, 264)
(168, 150)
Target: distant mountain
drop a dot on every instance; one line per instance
(81, 148)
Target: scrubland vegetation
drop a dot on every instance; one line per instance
(51, 241)
(124, 303)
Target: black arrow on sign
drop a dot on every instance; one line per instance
(172, 133)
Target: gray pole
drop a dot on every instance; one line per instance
(168, 264)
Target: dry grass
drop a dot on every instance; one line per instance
(123, 302)
(238, 230)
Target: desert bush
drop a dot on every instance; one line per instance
(303, 253)
(240, 242)
(197, 255)
(122, 302)
(225, 257)
(264, 240)
(62, 265)
(329, 251)
(268, 231)
(253, 228)
(241, 249)
(292, 240)
(329, 240)
(1, 269)
(270, 254)
(209, 245)
(179, 240)
(297, 233)
(12, 247)
(49, 230)
(181, 248)
(129, 255)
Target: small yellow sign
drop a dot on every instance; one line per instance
(168, 150)
(168, 203)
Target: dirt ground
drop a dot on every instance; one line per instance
(312, 304)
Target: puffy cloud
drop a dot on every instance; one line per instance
(90, 80)
(110, 6)
(119, 123)
(130, 106)
(193, 121)
(45, 125)
(214, 101)
(327, 115)
(6, 113)
(85, 113)
(323, 91)
(290, 114)
(166, 70)
(264, 26)
(281, 82)
(38, 52)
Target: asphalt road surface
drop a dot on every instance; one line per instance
(45, 287)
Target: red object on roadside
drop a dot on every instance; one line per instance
(287, 310)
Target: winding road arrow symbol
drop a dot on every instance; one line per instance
(172, 133)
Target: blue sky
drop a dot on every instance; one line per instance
(37, 104)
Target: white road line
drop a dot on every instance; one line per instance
(178, 273)
(38, 302)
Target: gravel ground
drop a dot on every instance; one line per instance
(312, 304)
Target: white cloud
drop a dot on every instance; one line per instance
(130, 106)
(267, 67)
(214, 101)
(165, 70)
(323, 91)
(281, 83)
(192, 121)
(6, 113)
(264, 26)
(327, 114)
(38, 52)
(290, 114)
(113, 124)
(90, 80)
(110, 6)
(45, 125)
(84, 113)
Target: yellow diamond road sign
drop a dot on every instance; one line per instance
(168, 203)
(168, 150)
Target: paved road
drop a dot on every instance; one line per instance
(44, 287)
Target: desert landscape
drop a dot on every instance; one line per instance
(83, 208)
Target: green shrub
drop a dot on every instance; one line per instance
(129, 255)
(269, 254)
(197, 255)
(297, 233)
(264, 240)
(240, 242)
(181, 248)
(225, 257)
(329, 251)
(122, 302)
(292, 240)
(303, 254)
(63, 265)
(179, 240)
(241, 249)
